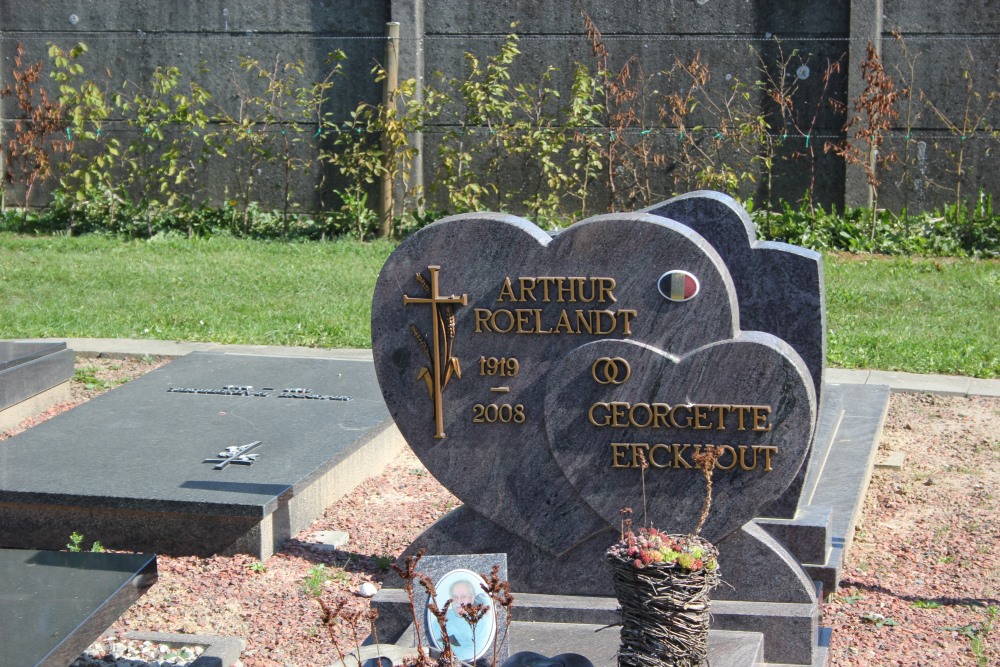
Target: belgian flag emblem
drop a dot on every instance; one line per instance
(678, 286)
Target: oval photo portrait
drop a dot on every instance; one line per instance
(469, 638)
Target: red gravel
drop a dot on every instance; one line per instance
(271, 609)
(921, 582)
(920, 586)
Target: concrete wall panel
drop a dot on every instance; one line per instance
(942, 18)
(269, 16)
(926, 176)
(133, 58)
(738, 64)
(131, 37)
(641, 17)
(944, 71)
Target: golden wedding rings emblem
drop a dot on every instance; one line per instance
(610, 370)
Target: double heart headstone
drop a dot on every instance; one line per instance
(550, 382)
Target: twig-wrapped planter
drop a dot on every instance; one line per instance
(664, 604)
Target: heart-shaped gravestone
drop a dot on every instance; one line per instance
(471, 315)
(779, 286)
(626, 423)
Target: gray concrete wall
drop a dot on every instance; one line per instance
(130, 38)
(942, 40)
(727, 34)
(948, 55)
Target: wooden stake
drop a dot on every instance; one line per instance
(389, 87)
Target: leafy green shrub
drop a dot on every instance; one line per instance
(972, 231)
(315, 580)
(617, 137)
(76, 544)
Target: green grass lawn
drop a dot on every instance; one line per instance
(925, 316)
(918, 315)
(220, 289)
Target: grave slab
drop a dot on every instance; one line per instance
(839, 470)
(30, 368)
(37, 404)
(53, 604)
(129, 467)
(842, 475)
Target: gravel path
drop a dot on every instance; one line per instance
(922, 582)
(920, 586)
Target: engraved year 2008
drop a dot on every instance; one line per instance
(503, 366)
(492, 413)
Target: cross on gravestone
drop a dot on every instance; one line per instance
(544, 455)
(443, 334)
(235, 454)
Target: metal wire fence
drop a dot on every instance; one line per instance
(531, 123)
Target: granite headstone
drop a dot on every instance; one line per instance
(535, 374)
(779, 286)
(528, 371)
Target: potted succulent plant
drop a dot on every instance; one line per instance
(663, 583)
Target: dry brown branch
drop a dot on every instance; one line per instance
(499, 592)
(706, 461)
(408, 573)
(874, 112)
(440, 614)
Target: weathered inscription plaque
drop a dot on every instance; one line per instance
(531, 374)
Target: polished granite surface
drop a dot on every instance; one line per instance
(30, 368)
(54, 604)
(173, 450)
(155, 433)
(14, 352)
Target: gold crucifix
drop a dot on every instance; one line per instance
(439, 329)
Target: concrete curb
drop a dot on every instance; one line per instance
(913, 383)
(220, 651)
(118, 347)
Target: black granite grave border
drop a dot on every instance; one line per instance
(245, 510)
(63, 640)
(31, 368)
